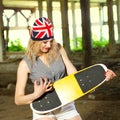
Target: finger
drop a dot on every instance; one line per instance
(41, 81)
(37, 82)
(113, 74)
(109, 77)
(110, 73)
(47, 82)
(50, 83)
(49, 89)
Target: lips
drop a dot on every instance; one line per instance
(47, 49)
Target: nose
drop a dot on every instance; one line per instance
(49, 44)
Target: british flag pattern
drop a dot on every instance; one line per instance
(42, 29)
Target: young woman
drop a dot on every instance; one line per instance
(45, 60)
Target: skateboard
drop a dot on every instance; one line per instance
(70, 88)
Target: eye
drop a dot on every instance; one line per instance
(48, 41)
(45, 42)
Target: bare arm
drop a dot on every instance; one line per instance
(69, 66)
(22, 76)
(71, 69)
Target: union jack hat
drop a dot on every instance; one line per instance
(42, 29)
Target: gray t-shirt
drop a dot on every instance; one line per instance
(38, 69)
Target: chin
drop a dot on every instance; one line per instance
(46, 51)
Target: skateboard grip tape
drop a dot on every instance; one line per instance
(47, 101)
(90, 78)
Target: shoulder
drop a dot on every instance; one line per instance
(27, 62)
(23, 66)
(63, 52)
(22, 63)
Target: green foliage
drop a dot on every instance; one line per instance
(100, 43)
(95, 43)
(77, 44)
(15, 45)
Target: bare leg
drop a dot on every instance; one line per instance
(46, 118)
(76, 118)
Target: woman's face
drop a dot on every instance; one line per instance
(46, 45)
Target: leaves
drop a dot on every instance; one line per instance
(16, 45)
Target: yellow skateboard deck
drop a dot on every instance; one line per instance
(70, 88)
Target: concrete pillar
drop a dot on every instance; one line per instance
(65, 26)
(49, 9)
(101, 14)
(1, 33)
(118, 18)
(74, 23)
(112, 48)
(40, 7)
(86, 32)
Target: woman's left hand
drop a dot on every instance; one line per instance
(109, 75)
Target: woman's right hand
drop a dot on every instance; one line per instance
(41, 86)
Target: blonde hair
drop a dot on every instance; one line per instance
(33, 51)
